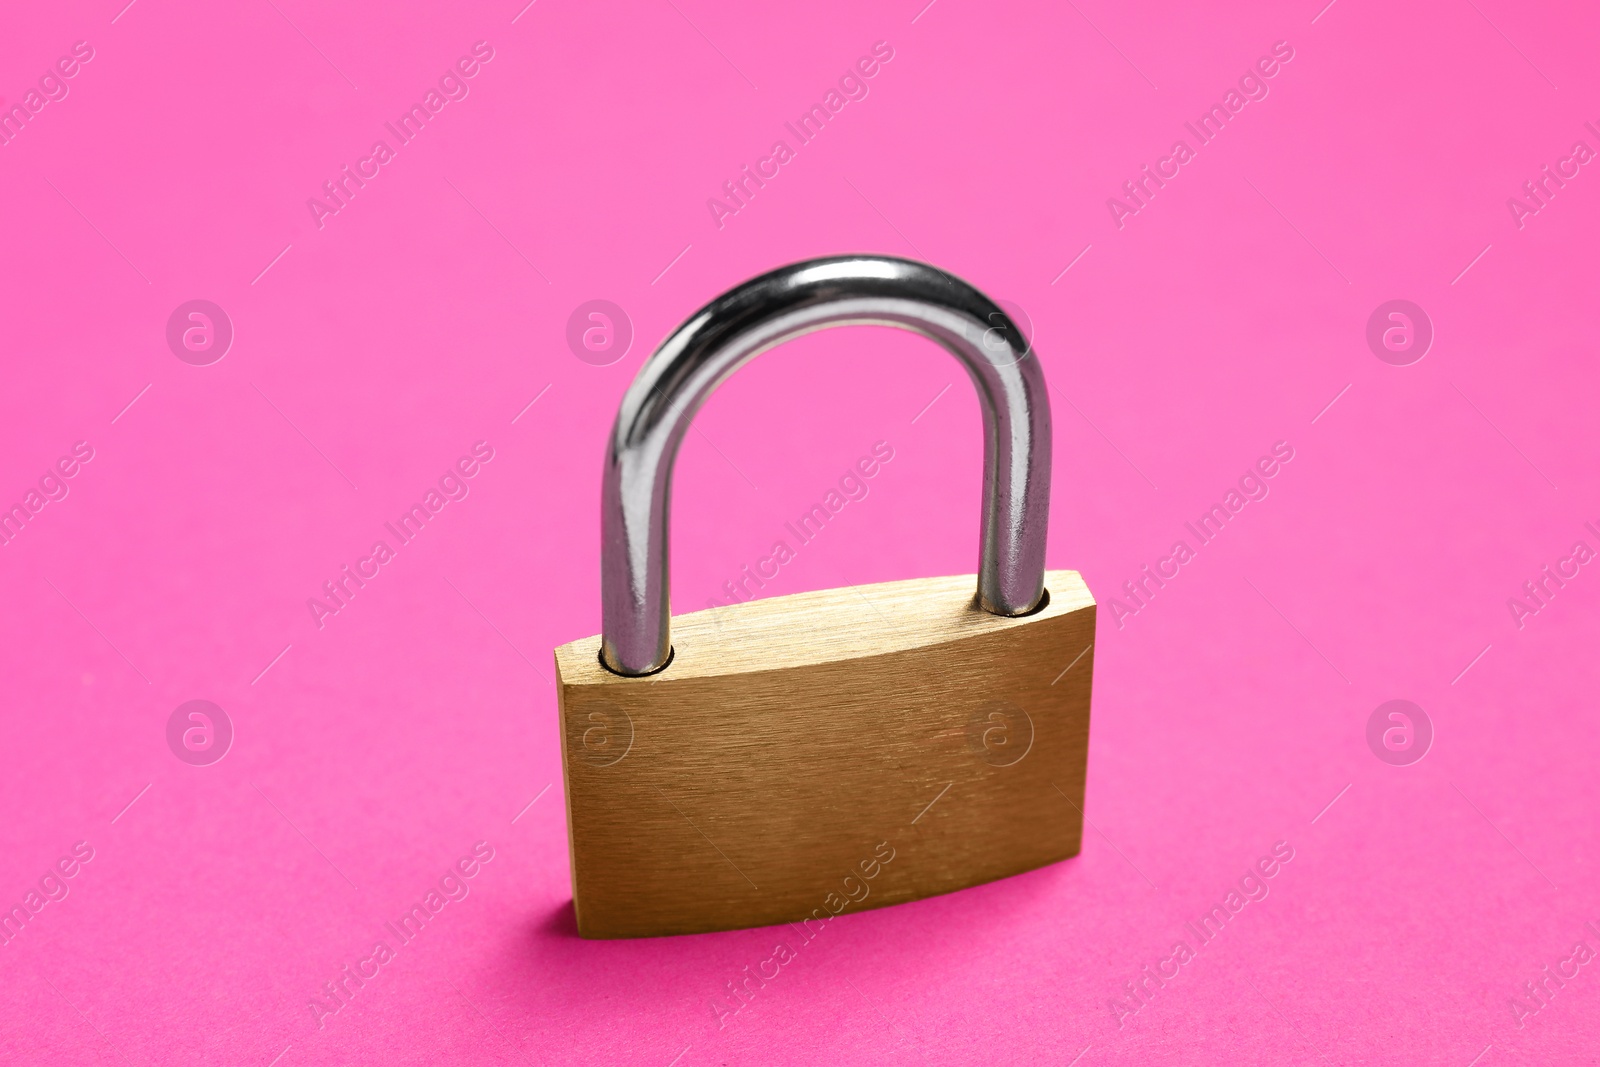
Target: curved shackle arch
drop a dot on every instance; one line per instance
(764, 312)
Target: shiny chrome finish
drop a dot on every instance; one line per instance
(766, 311)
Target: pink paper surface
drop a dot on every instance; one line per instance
(1430, 908)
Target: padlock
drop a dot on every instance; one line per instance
(792, 758)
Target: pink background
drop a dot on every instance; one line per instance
(426, 315)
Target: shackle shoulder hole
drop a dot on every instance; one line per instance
(1044, 602)
(672, 650)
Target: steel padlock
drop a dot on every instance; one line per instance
(792, 758)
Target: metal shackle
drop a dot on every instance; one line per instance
(776, 307)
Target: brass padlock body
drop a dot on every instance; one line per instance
(793, 743)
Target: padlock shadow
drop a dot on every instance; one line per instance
(545, 965)
(562, 922)
(548, 966)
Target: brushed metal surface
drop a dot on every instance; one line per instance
(793, 742)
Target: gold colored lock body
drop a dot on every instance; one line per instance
(793, 743)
